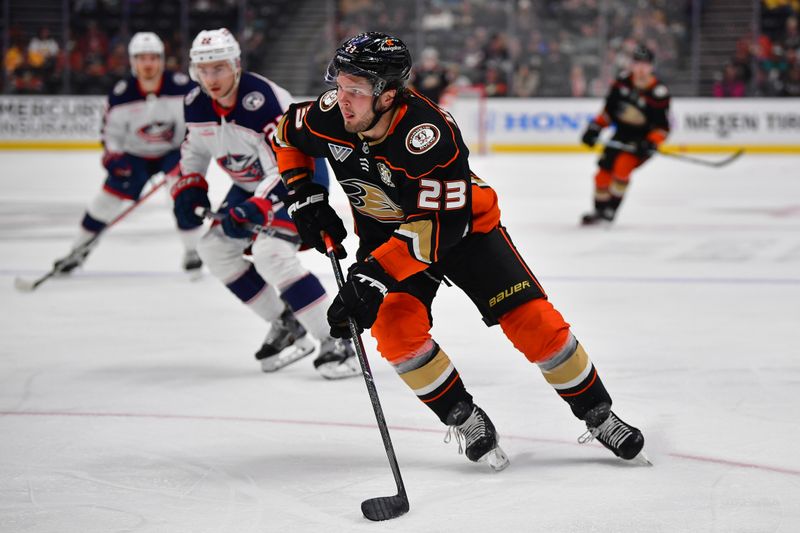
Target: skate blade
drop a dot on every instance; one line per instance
(196, 274)
(641, 459)
(336, 370)
(289, 355)
(496, 459)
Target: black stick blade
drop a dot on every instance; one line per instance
(385, 508)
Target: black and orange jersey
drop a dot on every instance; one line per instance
(412, 193)
(637, 113)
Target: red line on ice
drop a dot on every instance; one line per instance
(688, 457)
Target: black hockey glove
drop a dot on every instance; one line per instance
(189, 193)
(645, 148)
(359, 298)
(313, 215)
(591, 134)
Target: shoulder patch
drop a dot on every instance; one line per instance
(191, 95)
(180, 78)
(422, 138)
(660, 91)
(328, 100)
(253, 100)
(120, 87)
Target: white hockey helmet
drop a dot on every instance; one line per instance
(214, 45)
(144, 42)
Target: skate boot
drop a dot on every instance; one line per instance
(480, 440)
(623, 439)
(597, 218)
(66, 265)
(192, 264)
(337, 359)
(286, 342)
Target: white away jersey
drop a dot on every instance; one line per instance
(237, 138)
(146, 125)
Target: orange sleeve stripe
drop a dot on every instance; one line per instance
(290, 158)
(602, 120)
(394, 258)
(657, 136)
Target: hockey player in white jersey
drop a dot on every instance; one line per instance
(143, 128)
(229, 117)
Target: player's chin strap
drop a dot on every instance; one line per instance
(379, 114)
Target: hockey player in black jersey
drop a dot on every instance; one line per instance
(637, 105)
(422, 215)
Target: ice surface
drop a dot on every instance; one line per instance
(130, 399)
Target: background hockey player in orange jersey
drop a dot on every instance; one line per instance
(421, 215)
(637, 105)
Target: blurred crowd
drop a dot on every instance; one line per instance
(766, 65)
(96, 53)
(534, 48)
(518, 48)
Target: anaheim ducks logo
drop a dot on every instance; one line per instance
(371, 201)
(157, 132)
(422, 138)
(328, 100)
(630, 114)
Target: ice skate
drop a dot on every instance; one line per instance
(66, 265)
(192, 264)
(337, 359)
(480, 440)
(623, 439)
(598, 218)
(286, 342)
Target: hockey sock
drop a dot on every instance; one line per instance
(433, 378)
(190, 237)
(254, 292)
(574, 377)
(307, 299)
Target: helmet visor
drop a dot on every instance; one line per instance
(342, 65)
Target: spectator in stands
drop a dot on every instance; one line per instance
(15, 56)
(525, 83)
(43, 49)
(730, 85)
(577, 81)
(43, 55)
(494, 81)
(791, 87)
(429, 77)
(94, 41)
(791, 36)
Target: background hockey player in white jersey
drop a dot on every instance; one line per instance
(142, 132)
(228, 118)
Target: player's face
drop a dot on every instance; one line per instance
(217, 77)
(355, 102)
(641, 70)
(148, 66)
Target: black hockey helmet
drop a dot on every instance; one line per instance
(643, 53)
(381, 58)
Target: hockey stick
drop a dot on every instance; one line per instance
(382, 507)
(681, 157)
(24, 285)
(249, 226)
